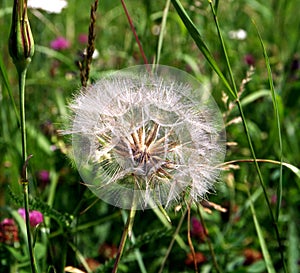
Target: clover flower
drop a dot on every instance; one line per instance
(147, 136)
(35, 217)
(8, 231)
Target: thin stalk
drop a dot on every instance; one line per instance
(22, 79)
(162, 31)
(134, 32)
(24, 177)
(223, 48)
(127, 231)
(238, 102)
(210, 245)
(189, 237)
(262, 184)
(175, 235)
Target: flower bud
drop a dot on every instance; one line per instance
(21, 44)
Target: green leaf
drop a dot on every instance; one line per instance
(4, 77)
(277, 118)
(55, 54)
(293, 244)
(263, 245)
(200, 43)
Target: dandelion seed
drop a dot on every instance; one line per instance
(148, 136)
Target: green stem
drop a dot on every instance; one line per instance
(127, 231)
(24, 178)
(22, 79)
(175, 235)
(248, 135)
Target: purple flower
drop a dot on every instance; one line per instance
(44, 176)
(60, 43)
(83, 38)
(35, 217)
(21, 211)
(197, 229)
(249, 59)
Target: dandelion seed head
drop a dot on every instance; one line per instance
(147, 136)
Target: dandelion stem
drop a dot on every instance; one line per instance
(127, 231)
(172, 241)
(24, 178)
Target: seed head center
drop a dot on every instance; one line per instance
(142, 144)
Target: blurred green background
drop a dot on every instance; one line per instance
(77, 225)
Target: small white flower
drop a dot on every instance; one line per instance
(238, 34)
(53, 6)
(148, 137)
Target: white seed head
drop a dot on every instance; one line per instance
(147, 136)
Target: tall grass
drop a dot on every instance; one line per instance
(255, 81)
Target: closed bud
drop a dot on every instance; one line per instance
(21, 44)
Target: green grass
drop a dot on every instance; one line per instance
(192, 36)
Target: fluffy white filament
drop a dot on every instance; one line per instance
(151, 137)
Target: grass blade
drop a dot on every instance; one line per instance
(7, 86)
(162, 31)
(293, 243)
(200, 43)
(277, 117)
(261, 239)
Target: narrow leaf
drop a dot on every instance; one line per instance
(263, 245)
(277, 118)
(200, 43)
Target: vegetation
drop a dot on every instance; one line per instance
(246, 52)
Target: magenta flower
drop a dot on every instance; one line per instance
(60, 43)
(249, 59)
(7, 221)
(83, 38)
(21, 211)
(197, 229)
(35, 217)
(44, 176)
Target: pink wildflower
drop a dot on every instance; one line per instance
(35, 217)
(83, 38)
(197, 229)
(60, 43)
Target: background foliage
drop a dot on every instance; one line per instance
(78, 226)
